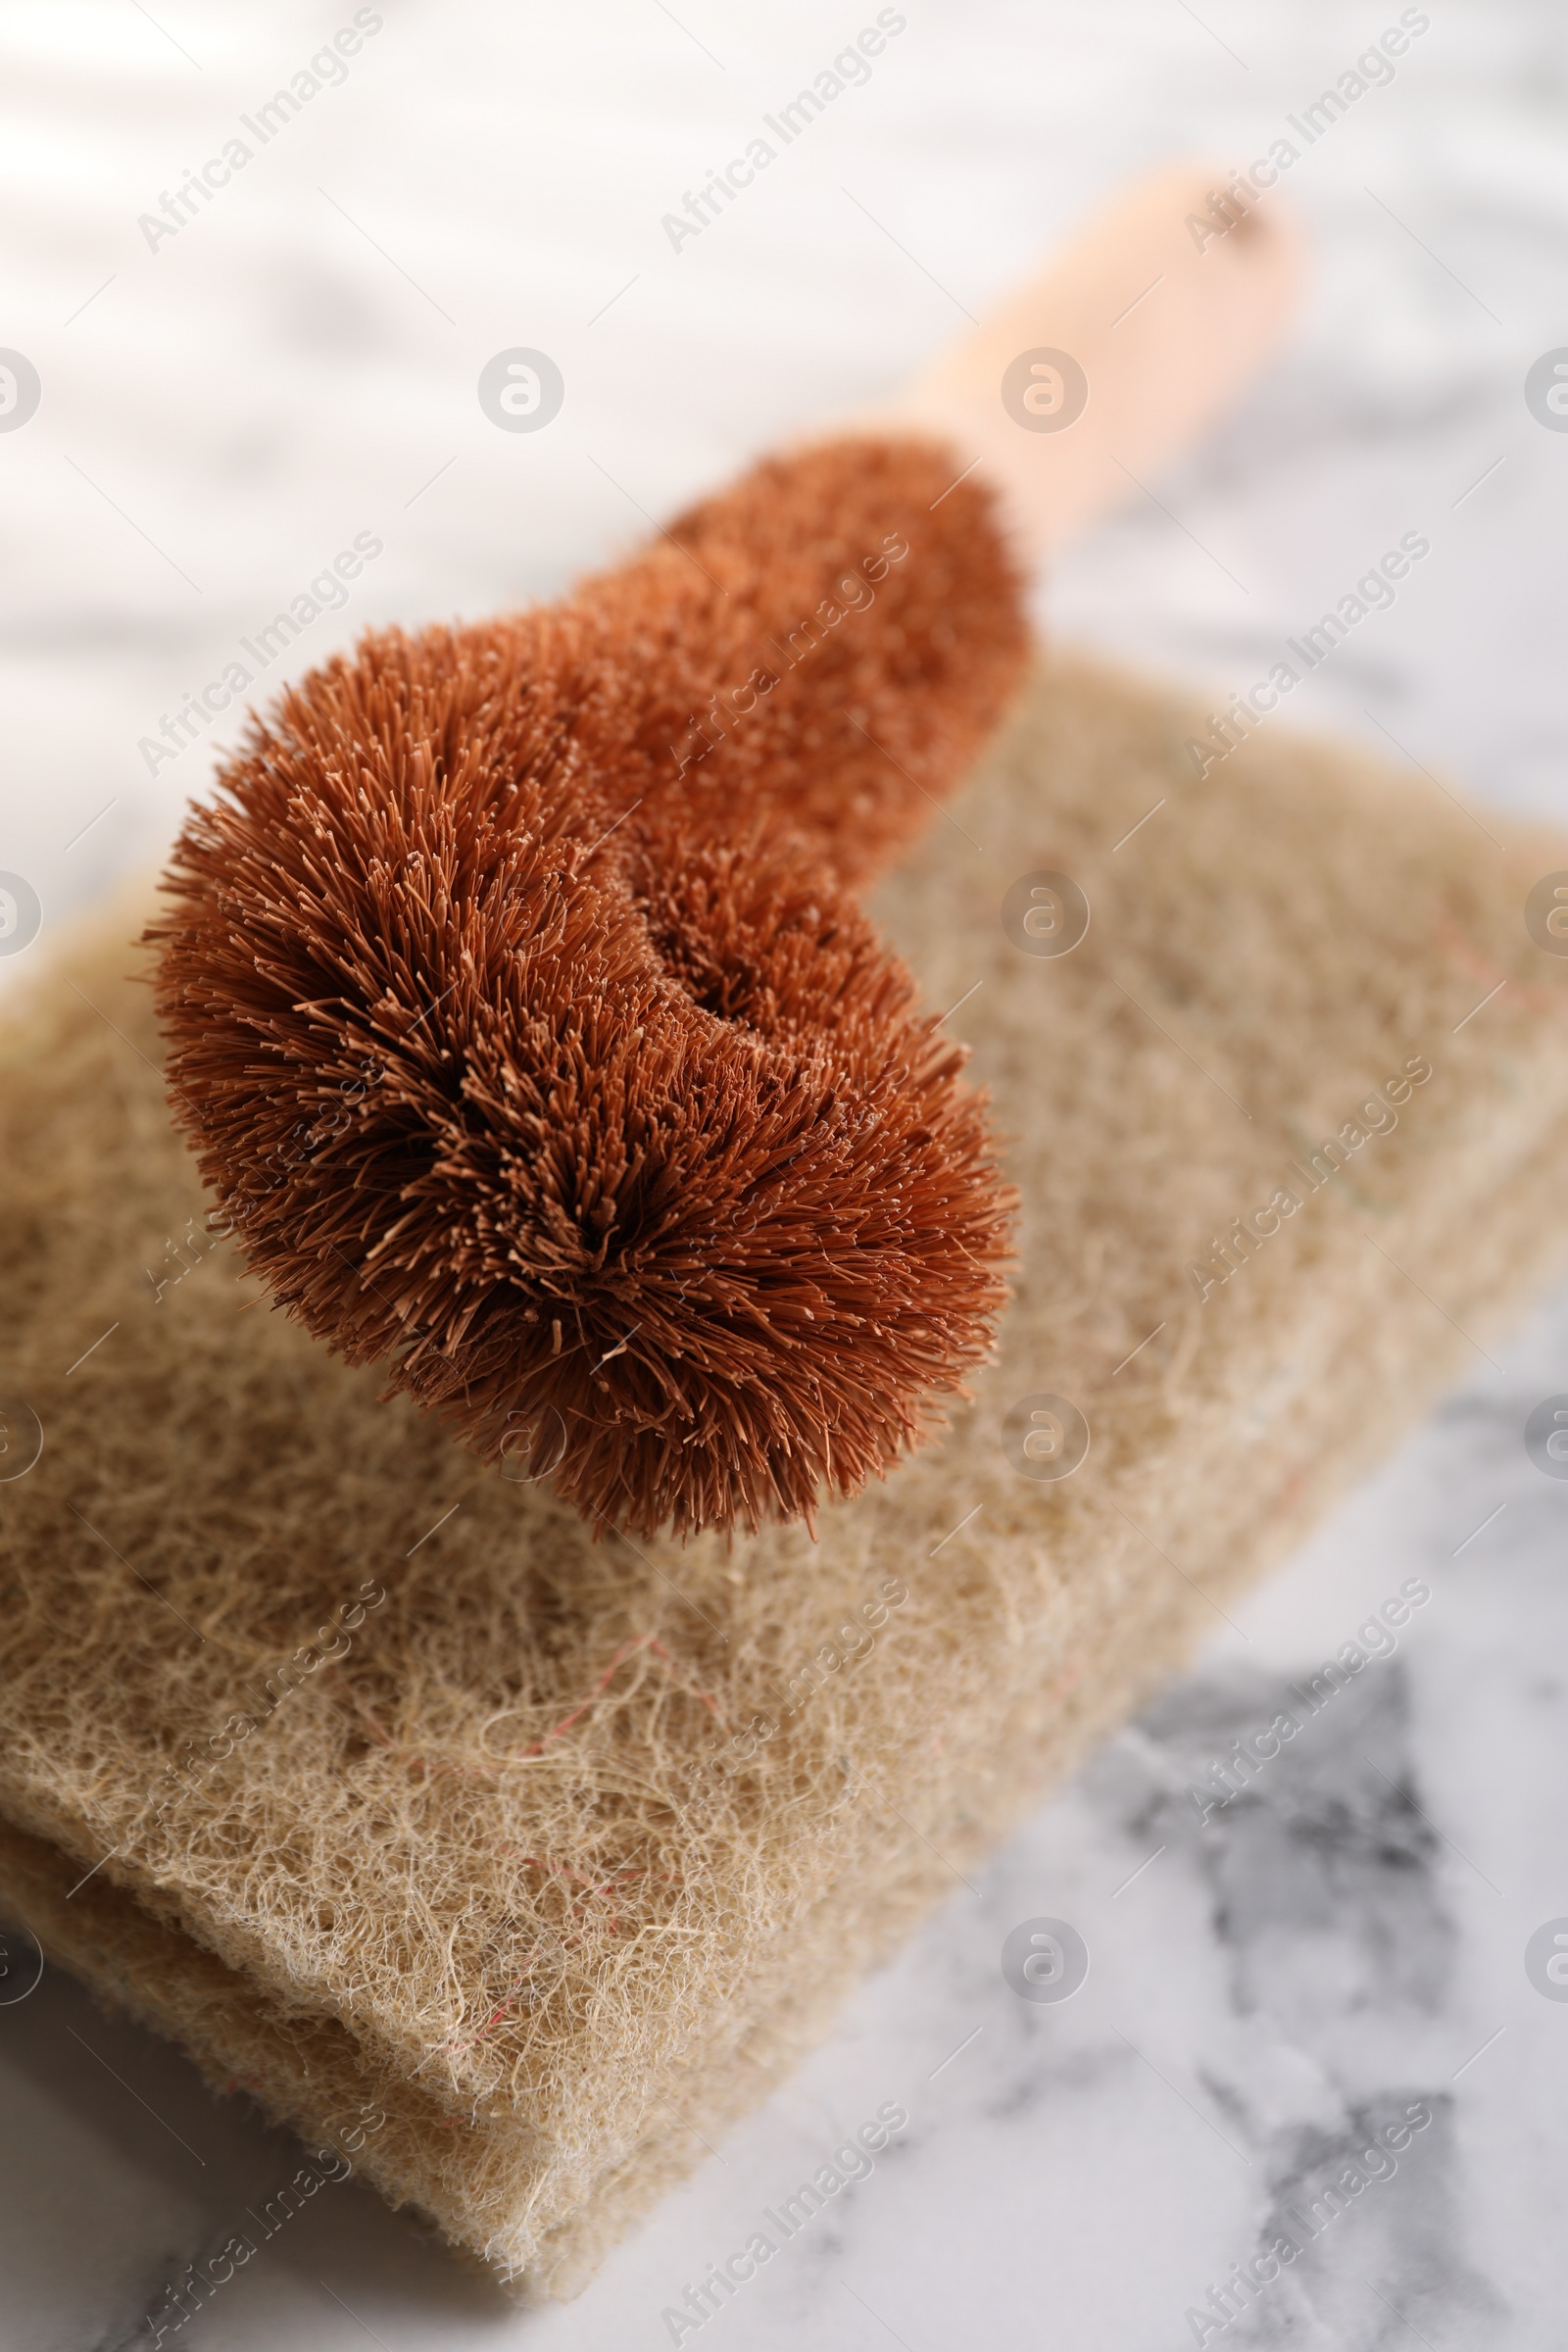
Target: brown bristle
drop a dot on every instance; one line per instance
(527, 1029)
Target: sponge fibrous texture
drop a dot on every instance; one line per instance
(561, 1853)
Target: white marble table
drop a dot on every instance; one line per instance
(1346, 1941)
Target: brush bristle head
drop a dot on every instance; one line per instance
(534, 1046)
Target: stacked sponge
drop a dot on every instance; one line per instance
(363, 1771)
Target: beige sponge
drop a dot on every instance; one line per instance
(363, 1772)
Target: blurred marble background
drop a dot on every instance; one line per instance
(222, 413)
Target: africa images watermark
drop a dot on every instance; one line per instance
(858, 1639)
(327, 70)
(1373, 592)
(333, 1641)
(1309, 1175)
(200, 2280)
(848, 69)
(853, 593)
(1228, 1777)
(851, 2162)
(1373, 70)
(327, 593)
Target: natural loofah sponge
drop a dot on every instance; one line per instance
(533, 1043)
(557, 1855)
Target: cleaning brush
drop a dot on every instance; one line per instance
(519, 1000)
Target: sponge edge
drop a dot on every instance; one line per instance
(555, 1839)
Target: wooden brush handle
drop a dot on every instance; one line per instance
(1168, 322)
